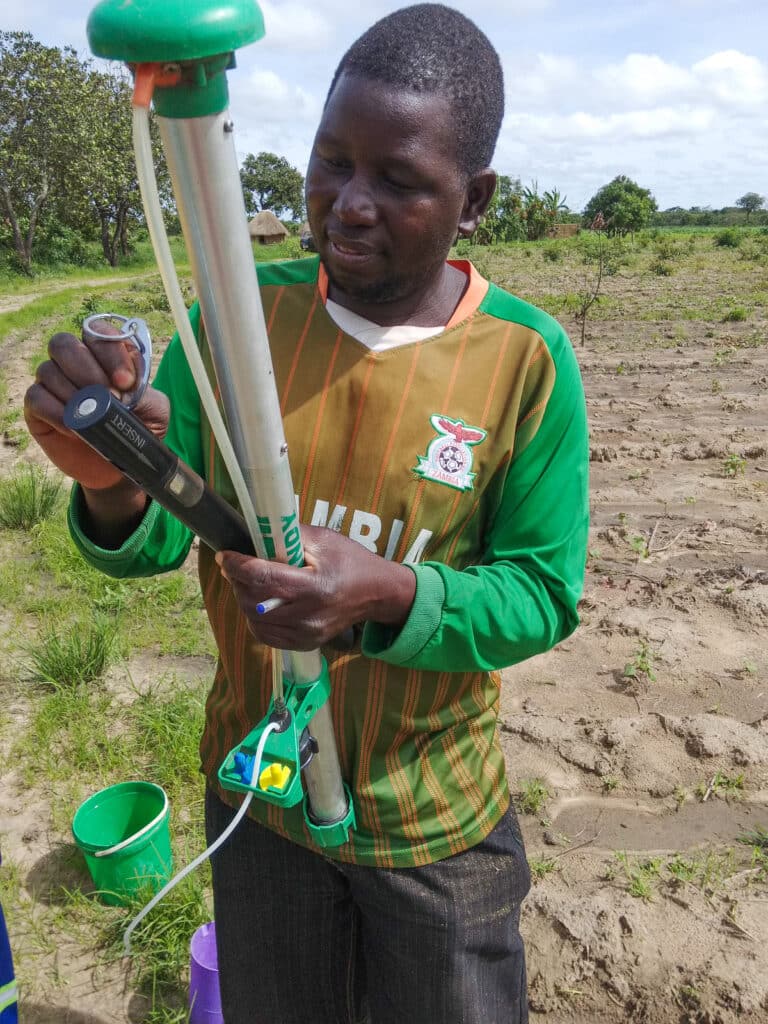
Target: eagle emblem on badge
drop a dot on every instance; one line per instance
(448, 459)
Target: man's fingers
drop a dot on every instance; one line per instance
(52, 379)
(79, 364)
(42, 406)
(121, 359)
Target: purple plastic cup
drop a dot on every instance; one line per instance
(204, 997)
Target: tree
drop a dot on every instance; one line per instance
(503, 220)
(751, 202)
(625, 206)
(270, 183)
(104, 177)
(41, 98)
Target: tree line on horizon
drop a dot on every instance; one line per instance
(68, 184)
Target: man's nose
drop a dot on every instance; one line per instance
(355, 203)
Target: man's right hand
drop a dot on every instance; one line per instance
(72, 365)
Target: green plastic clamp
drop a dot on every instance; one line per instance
(337, 832)
(281, 748)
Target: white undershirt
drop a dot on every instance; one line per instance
(374, 336)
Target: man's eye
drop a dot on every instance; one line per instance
(335, 163)
(398, 184)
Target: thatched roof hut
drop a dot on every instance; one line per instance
(267, 228)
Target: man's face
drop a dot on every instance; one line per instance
(385, 193)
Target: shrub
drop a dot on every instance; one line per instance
(736, 315)
(728, 238)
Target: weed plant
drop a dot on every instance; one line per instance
(72, 655)
(540, 867)
(533, 796)
(28, 497)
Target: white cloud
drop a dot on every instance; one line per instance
(266, 97)
(294, 27)
(645, 78)
(734, 78)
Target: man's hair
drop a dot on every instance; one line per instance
(431, 48)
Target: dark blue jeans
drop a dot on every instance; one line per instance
(306, 940)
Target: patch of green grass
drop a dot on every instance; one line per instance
(28, 496)
(735, 315)
(706, 869)
(72, 655)
(641, 876)
(532, 797)
(163, 612)
(541, 867)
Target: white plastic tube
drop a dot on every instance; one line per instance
(148, 186)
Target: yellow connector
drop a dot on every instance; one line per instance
(275, 776)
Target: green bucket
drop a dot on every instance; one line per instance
(124, 836)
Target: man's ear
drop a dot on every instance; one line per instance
(479, 194)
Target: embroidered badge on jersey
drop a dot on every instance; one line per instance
(449, 456)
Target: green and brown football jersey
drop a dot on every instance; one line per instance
(463, 455)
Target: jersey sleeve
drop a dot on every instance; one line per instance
(521, 599)
(160, 542)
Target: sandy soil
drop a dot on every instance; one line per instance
(646, 769)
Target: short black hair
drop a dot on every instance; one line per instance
(435, 49)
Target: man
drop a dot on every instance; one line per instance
(438, 444)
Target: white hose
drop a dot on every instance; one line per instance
(136, 835)
(148, 186)
(206, 853)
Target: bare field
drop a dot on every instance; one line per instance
(638, 748)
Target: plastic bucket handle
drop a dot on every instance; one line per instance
(136, 835)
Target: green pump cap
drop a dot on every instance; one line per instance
(200, 36)
(170, 31)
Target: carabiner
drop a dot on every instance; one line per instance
(132, 329)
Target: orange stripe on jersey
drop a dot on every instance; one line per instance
(407, 532)
(319, 423)
(496, 373)
(374, 710)
(273, 314)
(355, 429)
(542, 350)
(297, 355)
(456, 366)
(339, 672)
(529, 415)
(445, 814)
(466, 783)
(403, 792)
(395, 427)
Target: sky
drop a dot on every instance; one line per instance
(672, 93)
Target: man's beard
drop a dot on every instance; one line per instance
(381, 292)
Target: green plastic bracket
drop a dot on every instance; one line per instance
(198, 39)
(282, 754)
